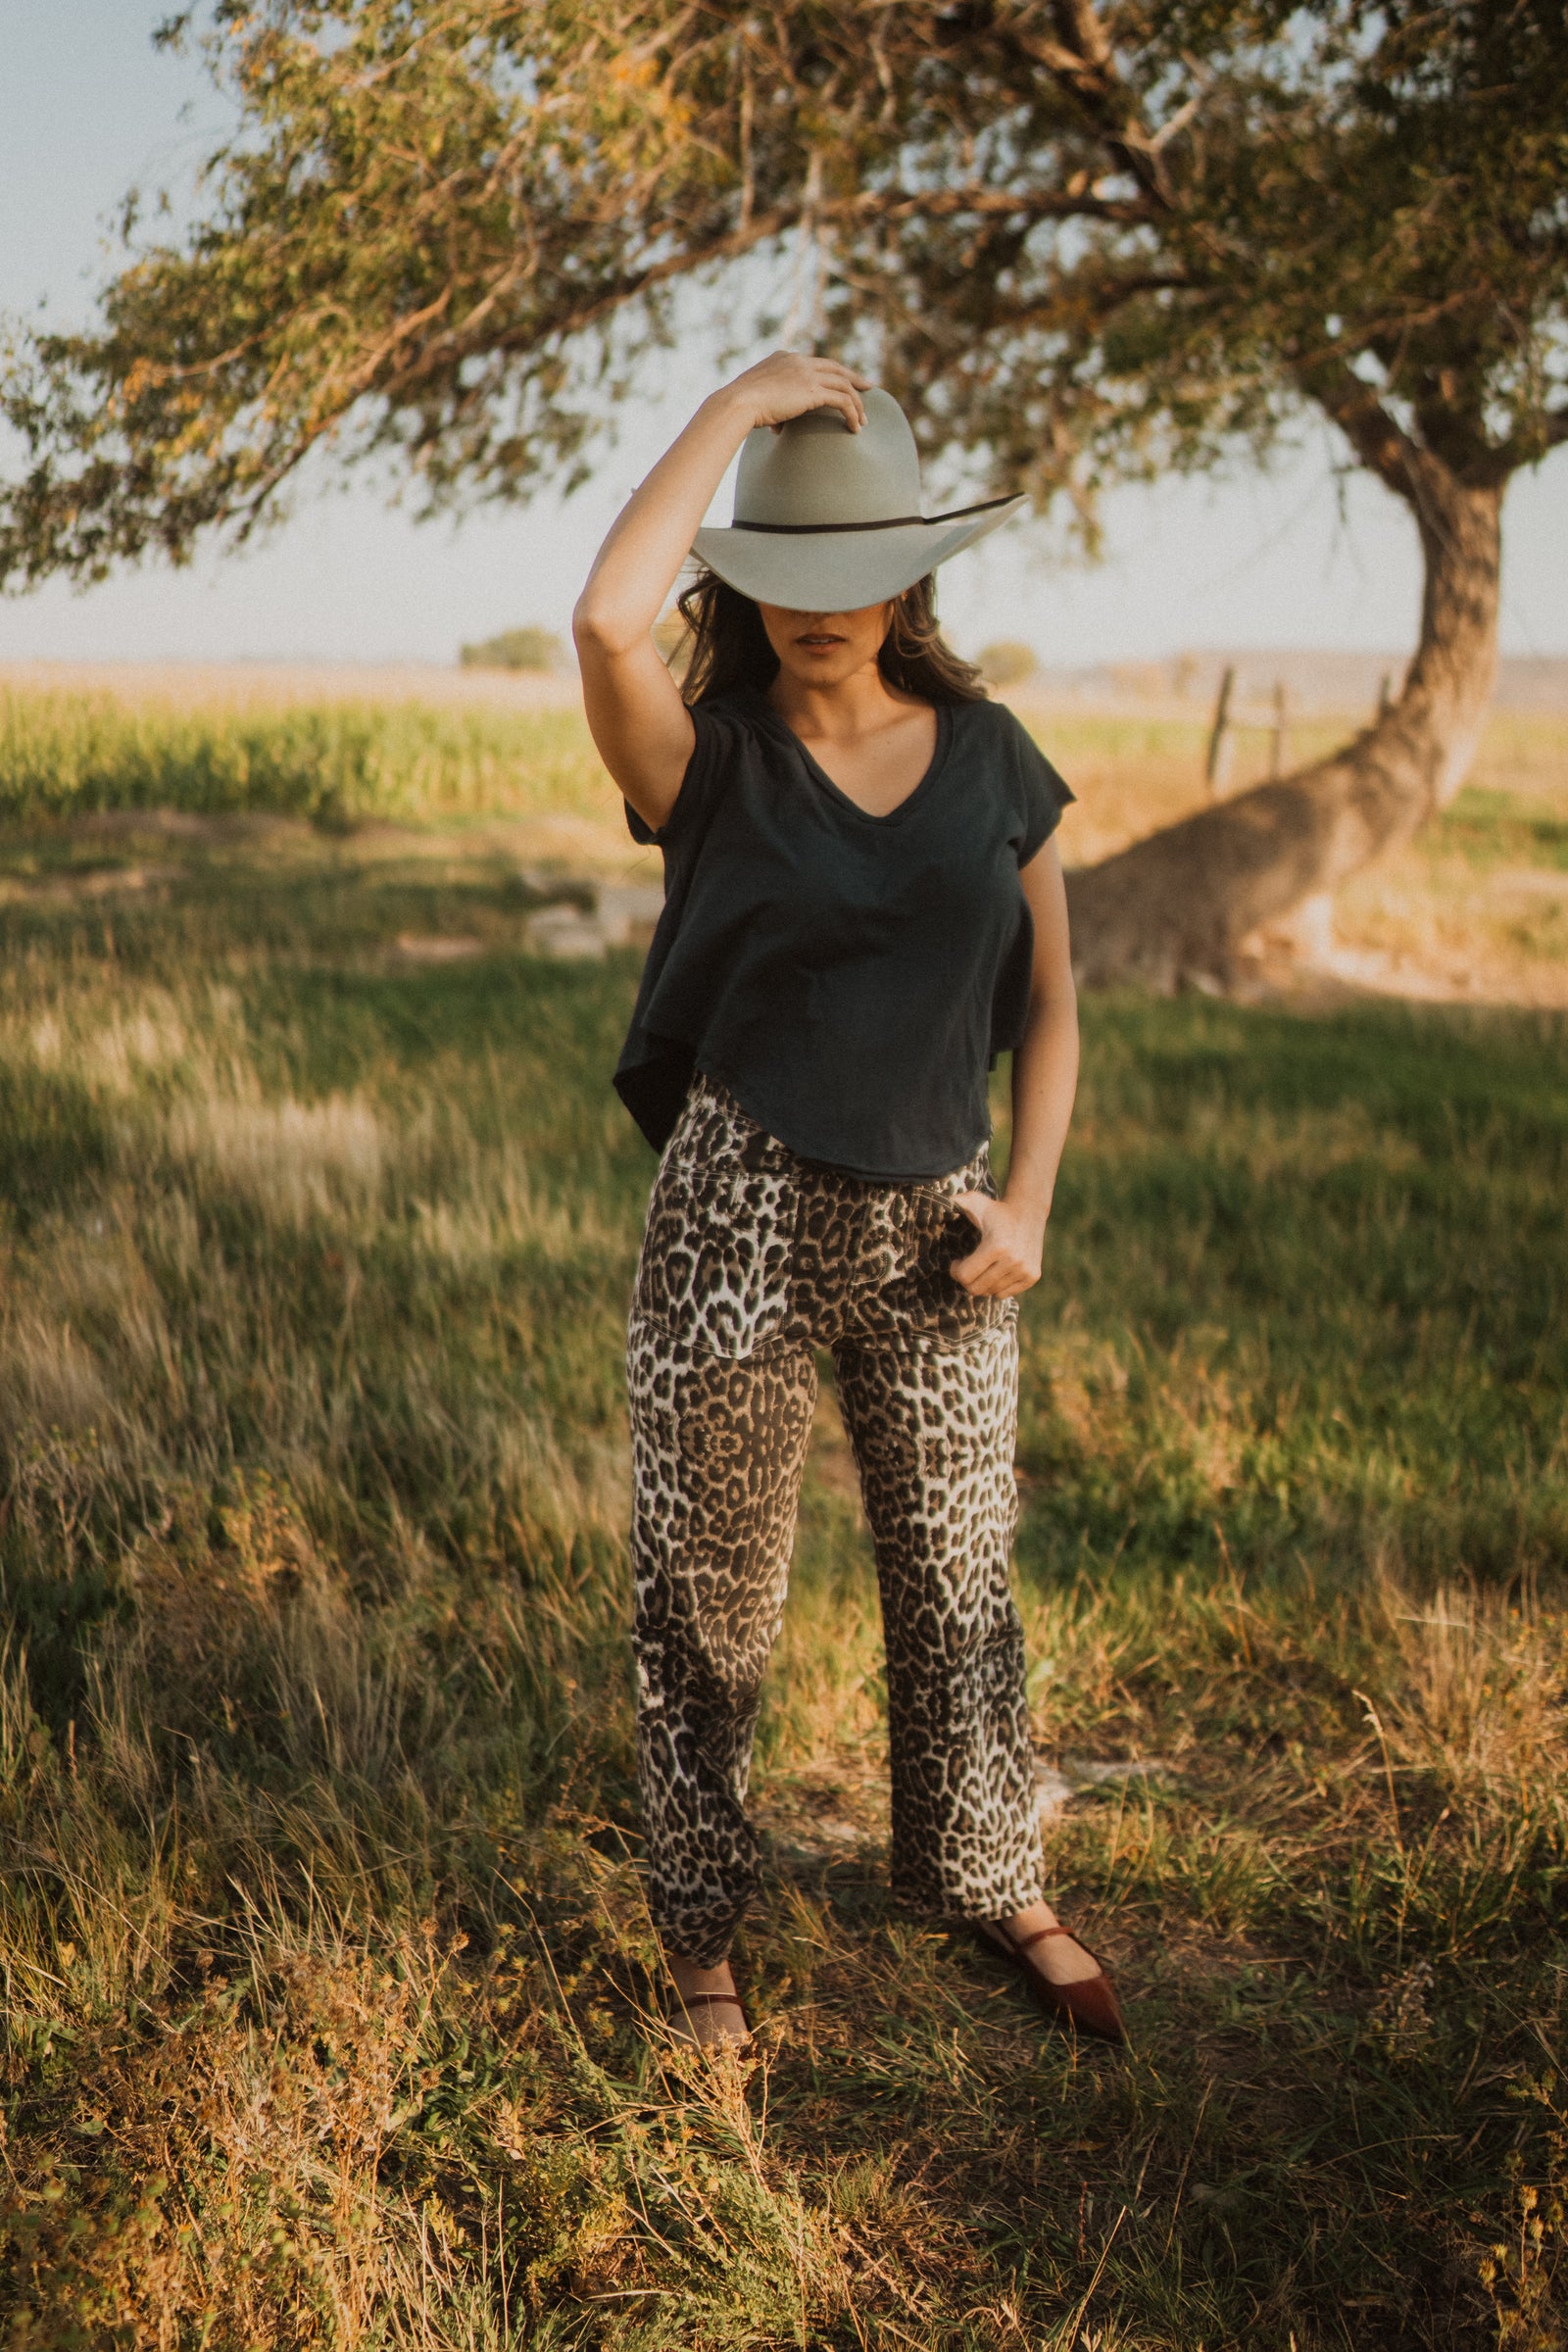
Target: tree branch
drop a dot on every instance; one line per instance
(1078, 21)
(1382, 444)
(759, 229)
(1101, 303)
(942, 204)
(1082, 60)
(1528, 449)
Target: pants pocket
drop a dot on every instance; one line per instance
(927, 1298)
(715, 1258)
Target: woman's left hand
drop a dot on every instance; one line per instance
(1006, 1261)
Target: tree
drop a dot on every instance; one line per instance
(529, 648)
(1007, 662)
(1085, 240)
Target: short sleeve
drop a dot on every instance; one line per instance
(699, 787)
(1043, 794)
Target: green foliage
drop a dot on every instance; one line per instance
(1085, 242)
(329, 1981)
(517, 649)
(1007, 662)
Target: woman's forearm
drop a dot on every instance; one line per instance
(1006, 1261)
(637, 566)
(1044, 1080)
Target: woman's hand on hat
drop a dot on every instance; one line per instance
(789, 383)
(1006, 1261)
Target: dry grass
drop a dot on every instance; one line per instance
(1474, 912)
(121, 772)
(174, 686)
(331, 2005)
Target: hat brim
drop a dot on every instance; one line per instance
(838, 571)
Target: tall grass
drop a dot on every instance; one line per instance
(331, 2004)
(64, 754)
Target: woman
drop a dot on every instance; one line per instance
(863, 907)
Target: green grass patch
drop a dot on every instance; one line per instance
(329, 1976)
(1501, 828)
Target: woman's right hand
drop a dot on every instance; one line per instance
(787, 383)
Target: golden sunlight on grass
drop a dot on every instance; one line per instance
(291, 1159)
(153, 764)
(1474, 910)
(333, 2015)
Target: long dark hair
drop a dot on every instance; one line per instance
(725, 646)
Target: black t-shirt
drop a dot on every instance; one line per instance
(850, 978)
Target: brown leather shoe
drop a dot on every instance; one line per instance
(680, 2019)
(1090, 2006)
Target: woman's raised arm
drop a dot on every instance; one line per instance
(637, 718)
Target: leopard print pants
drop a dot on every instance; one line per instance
(752, 1260)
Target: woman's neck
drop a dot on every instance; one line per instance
(847, 712)
(874, 743)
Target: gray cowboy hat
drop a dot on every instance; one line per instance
(828, 521)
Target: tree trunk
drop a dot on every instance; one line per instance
(1175, 908)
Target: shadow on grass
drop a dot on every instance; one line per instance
(332, 2002)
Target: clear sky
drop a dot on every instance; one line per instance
(1300, 557)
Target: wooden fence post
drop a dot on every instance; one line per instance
(1275, 747)
(1217, 767)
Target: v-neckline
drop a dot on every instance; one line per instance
(819, 773)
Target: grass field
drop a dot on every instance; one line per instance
(64, 754)
(329, 1982)
(1475, 911)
